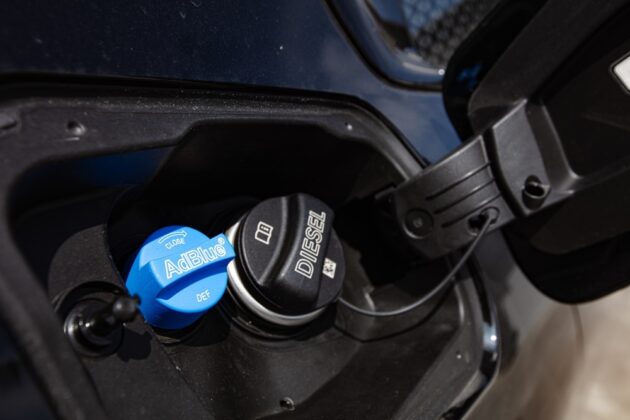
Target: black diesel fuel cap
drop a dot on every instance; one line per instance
(290, 262)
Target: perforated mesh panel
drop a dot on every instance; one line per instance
(438, 27)
(431, 28)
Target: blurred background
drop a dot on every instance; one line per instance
(601, 390)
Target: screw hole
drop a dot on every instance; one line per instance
(535, 188)
(535, 192)
(287, 404)
(75, 128)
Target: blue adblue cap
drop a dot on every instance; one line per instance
(178, 274)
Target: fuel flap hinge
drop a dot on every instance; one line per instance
(439, 209)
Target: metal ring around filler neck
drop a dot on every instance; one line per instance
(240, 291)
